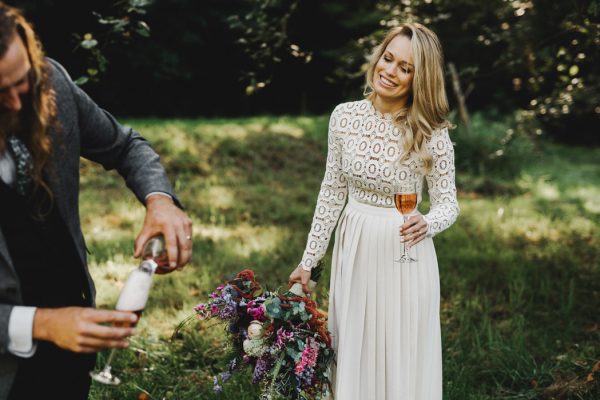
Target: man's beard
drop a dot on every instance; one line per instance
(16, 123)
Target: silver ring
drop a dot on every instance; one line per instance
(188, 237)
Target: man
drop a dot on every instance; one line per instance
(49, 328)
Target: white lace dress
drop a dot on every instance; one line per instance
(383, 315)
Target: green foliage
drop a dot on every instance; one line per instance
(519, 272)
(539, 56)
(203, 58)
(124, 26)
(490, 155)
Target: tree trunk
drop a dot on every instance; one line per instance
(460, 97)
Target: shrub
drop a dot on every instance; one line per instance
(491, 153)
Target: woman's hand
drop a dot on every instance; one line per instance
(414, 230)
(301, 276)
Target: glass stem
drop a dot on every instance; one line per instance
(404, 238)
(110, 358)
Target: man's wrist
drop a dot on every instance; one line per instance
(40, 324)
(158, 197)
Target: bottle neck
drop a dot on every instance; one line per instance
(149, 266)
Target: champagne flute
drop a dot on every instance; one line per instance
(133, 298)
(405, 201)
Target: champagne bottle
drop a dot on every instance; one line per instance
(135, 293)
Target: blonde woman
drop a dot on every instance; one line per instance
(384, 314)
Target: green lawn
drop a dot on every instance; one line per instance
(520, 274)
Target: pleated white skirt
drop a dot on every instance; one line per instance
(383, 315)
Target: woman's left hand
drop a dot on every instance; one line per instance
(414, 230)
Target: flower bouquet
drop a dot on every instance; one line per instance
(282, 337)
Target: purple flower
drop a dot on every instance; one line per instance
(232, 364)
(216, 387)
(261, 368)
(225, 376)
(306, 377)
(227, 312)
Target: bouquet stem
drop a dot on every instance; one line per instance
(276, 372)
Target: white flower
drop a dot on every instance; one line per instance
(255, 330)
(254, 347)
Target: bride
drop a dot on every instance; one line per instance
(384, 314)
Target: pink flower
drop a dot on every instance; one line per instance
(256, 311)
(202, 310)
(309, 357)
(283, 336)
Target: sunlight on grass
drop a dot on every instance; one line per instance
(244, 239)
(286, 129)
(179, 141)
(220, 197)
(232, 131)
(117, 224)
(590, 197)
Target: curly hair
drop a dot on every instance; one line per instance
(40, 114)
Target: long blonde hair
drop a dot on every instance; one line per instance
(427, 106)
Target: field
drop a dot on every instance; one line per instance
(520, 270)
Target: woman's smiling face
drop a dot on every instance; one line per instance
(394, 71)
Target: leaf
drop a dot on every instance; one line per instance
(293, 353)
(143, 29)
(273, 308)
(82, 80)
(574, 70)
(88, 44)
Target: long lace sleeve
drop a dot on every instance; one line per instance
(440, 181)
(331, 200)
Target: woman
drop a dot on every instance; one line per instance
(383, 314)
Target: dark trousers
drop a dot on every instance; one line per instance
(53, 373)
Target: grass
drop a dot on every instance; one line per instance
(520, 273)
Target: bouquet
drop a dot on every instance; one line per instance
(282, 337)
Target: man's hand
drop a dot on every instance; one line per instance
(79, 329)
(163, 216)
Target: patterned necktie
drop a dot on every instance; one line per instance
(24, 164)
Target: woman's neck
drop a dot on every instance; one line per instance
(388, 107)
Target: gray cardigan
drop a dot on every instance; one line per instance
(88, 131)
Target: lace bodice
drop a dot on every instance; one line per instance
(364, 160)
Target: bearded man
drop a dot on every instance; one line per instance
(49, 329)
